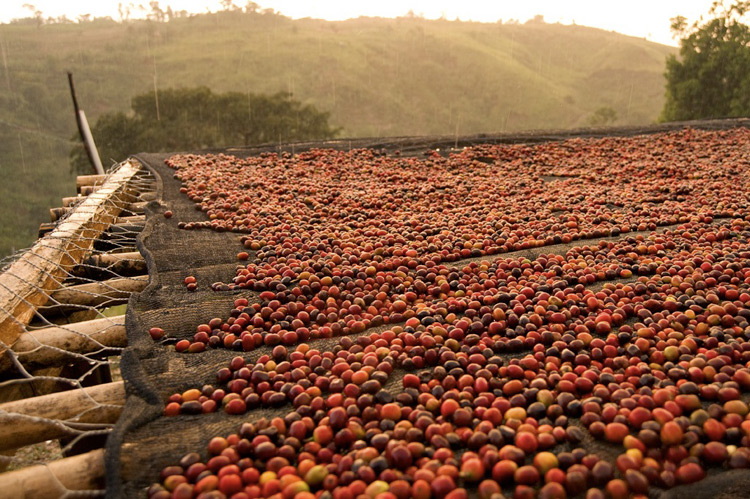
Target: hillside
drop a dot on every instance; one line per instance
(377, 77)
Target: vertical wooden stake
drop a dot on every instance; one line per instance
(84, 131)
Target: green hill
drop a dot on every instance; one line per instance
(377, 77)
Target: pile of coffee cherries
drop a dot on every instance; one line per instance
(613, 363)
(343, 241)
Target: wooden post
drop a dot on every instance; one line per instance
(87, 190)
(93, 294)
(47, 346)
(137, 207)
(133, 223)
(53, 480)
(133, 261)
(56, 214)
(23, 421)
(26, 283)
(70, 201)
(84, 131)
(131, 220)
(89, 181)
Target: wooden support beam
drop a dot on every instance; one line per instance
(70, 201)
(147, 196)
(87, 190)
(93, 294)
(89, 180)
(53, 480)
(123, 231)
(25, 284)
(56, 214)
(36, 419)
(68, 404)
(45, 228)
(108, 265)
(129, 262)
(131, 220)
(124, 224)
(137, 207)
(48, 346)
(67, 206)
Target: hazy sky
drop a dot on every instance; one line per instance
(642, 18)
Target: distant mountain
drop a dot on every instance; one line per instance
(377, 77)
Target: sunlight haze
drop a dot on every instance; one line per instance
(639, 18)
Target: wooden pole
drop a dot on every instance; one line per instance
(53, 480)
(134, 207)
(47, 346)
(87, 190)
(89, 143)
(70, 200)
(25, 285)
(132, 220)
(108, 265)
(80, 337)
(122, 224)
(89, 180)
(36, 419)
(93, 294)
(137, 207)
(132, 260)
(84, 131)
(57, 213)
(68, 404)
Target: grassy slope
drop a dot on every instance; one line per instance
(378, 77)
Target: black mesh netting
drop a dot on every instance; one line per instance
(144, 441)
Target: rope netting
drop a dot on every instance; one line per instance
(62, 305)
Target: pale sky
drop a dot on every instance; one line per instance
(641, 18)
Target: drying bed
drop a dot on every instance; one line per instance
(560, 319)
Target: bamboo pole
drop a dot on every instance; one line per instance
(25, 285)
(53, 480)
(37, 419)
(48, 346)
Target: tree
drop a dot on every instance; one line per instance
(38, 16)
(711, 78)
(228, 6)
(156, 13)
(197, 118)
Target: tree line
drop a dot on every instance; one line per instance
(181, 119)
(711, 77)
